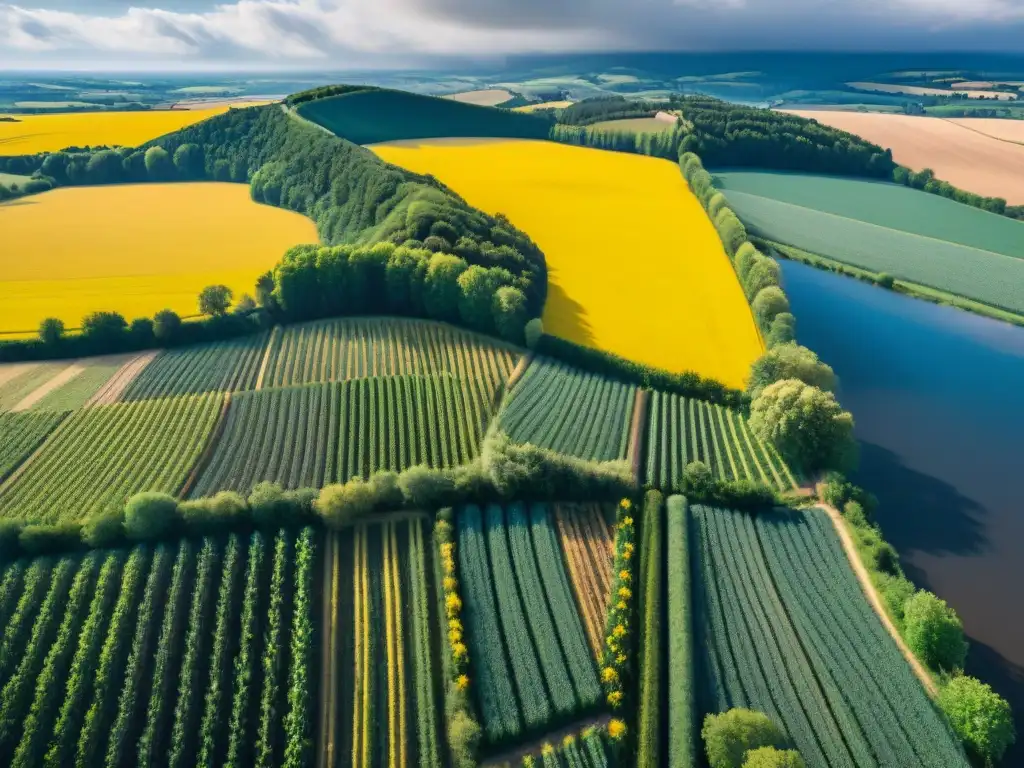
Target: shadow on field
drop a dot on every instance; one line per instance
(918, 511)
(565, 317)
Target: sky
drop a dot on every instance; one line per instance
(342, 34)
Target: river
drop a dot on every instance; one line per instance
(937, 395)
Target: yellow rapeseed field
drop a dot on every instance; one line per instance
(134, 249)
(49, 133)
(635, 266)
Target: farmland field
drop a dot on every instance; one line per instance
(681, 430)
(531, 674)
(633, 125)
(556, 406)
(50, 133)
(21, 434)
(135, 249)
(964, 158)
(915, 90)
(785, 628)
(103, 455)
(543, 105)
(335, 350)
(174, 653)
(588, 545)
(1004, 130)
(593, 213)
(381, 698)
(20, 381)
(893, 206)
(488, 97)
(987, 277)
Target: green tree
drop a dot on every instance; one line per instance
(140, 332)
(104, 330)
(215, 300)
(478, 286)
(746, 255)
(442, 293)
(980, 716)
(105, 167)
(782, 330)
(150, 515)
(510, 313)
(790, 361)
(697, 479)
(533, 332)
(159, 165)
(806, 424)
(166, 326)
(771, 757)
(762, 273)
(934, 632)
(135, 166)
(245, 305)
(729, 736)
(51, 330)
(769, 303)
(731, 230)
(188, 160)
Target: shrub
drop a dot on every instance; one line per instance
(746, 255)
(464, 736)
(387, 493)
(769, 303)
(807, 425)
(425, 488)
(979, 716)
(790, 361)
(44, 539)
(166, 326)
(885, 280)
(782, 330)
(730, 229)
(770, 757)
(104, 530)
(342, 505)
(729, 736)
(10, 533)
(716, 204)
(217, 513)
(533, 331)
(934, 632)
(763, 272)
(149, 516)
(268, 506)
(697, 480)
(510, 313)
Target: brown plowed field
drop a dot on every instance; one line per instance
(587, 543)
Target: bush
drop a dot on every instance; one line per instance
(746, 255)
(45, 539)
(782, 330)
(268, 505)
(885, 280)
(342, 505)
(510, 313)
(934, 632)
(464, 735)
(424, 488)
(698, 481)
(770, 757)
(387, 493)
(149, 516)
(221, 512)
(105, 530)
(533, 332)
(166, 326)
(807, 425)
(790, 361)
(51, 330)
(769, 303)
(763, 273)
(729, 736)
(979, 716)
(10, 545)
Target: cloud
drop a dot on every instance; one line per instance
(347, 32)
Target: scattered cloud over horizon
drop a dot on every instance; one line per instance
(356, 33)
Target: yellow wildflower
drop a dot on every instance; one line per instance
(619, 630)
(529, 762)
(547, 749)
(569, 740)
(454, 636)
(452, 605)
(624, 575)
(625, 593)
(450, 583)
(621, 605)
(620, 659)
(627, 554)
(609, 675)
(455, 624)
(447, 549)
(462, 682)
(615, 698)
(459, 651)
(626, 504)
(616, 729)
(627, 521)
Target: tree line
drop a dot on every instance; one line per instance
(601, 108)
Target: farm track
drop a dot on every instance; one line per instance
(47, 387)
(587, 551)
(274, 333)
(111, 392)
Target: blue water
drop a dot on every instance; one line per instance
(937, 395)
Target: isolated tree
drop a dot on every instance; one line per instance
(697, 479)
(770, 757)
(159, 166)
(215, 300)
(728, 737)
(934, 632)
(806, 424)
(441, 290)
(790, 361)
(768, 304)
(166, 326)
(980, 717)
(51, 330)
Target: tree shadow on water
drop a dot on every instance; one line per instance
(918, 511)
(565, 317)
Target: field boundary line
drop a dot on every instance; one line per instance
(876, 601)
(211, 445)
(50, 385)
(115, 386)
(638, 432)
(518, 371)
(266, 358)
(981, 133)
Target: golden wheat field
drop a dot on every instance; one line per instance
(49, 133)
(134, 249)
(635, 266)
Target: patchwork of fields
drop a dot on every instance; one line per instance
(634, 265)
(135, 249)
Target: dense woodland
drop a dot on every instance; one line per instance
(595, 110)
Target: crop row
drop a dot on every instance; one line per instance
(521, 619)
(101, 456)
(355, 348)
(587, 544)
(21, 434)
(770, 649)
(167, 655)
(681, 430)
(571, 411)
(221, 366)
(380, 697)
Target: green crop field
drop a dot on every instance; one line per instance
(633, 125)
(681, 430)
(380, 697)
(785, 628)
(21, 434)
(375, 115)
(893, 206)
(570, 411)
(174, 654)
(103, 455)
(26, 381)
(987, 277)
(80, 389)
(351, 348)
(511, 568)
(222, 366)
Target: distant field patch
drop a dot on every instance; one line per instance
(915, 90)
(49, 133)
(135, 249)
(635, 266)
(966, 159)
(488, 97)
(987, 277)
(1004, 130)
(634, 125)
(887, 205)
(544, 105)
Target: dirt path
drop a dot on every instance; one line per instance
(266, 357)
(11, 371)
(875, 599)
(111, 392)
(47, 387)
